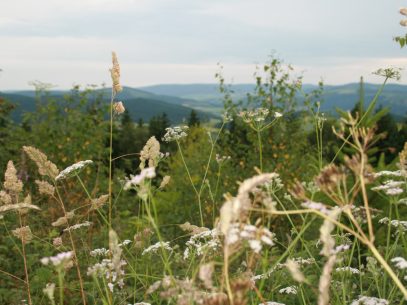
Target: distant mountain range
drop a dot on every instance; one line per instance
(207, 96)
(141, 104)
(178, 100)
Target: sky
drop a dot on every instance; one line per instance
(68, 42)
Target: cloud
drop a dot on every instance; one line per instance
(320, 36)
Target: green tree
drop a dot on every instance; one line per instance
(157, 125)
(193, 119)
(129, 140)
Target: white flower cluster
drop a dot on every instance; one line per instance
(227, 117)
(400, 263)
(73, 169)
(220, 159)
(77, 226)
(61, 259)
(256, 237)
(401, 225)
(106, 252)
(146, 173)
(397, 173)
(107, 270)
(140, 303)
(341, 248)
(275, 183)
(271, 303)
(175, 133)
(289, 290)
(348, 269)
(256, 115)
(312, 205)
(154, 248)
(364, 300)
(99, 252)
(390, 187)
(202, 242)
(298, 260)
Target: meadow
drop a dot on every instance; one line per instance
(271, 204)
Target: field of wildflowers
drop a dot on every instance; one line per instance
(246, 212)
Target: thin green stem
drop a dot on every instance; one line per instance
(61, 286)
(192, 183)
(110, 159)
(260, 150)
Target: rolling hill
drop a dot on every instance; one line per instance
(140, 104)
(207, 96)
(177, 100)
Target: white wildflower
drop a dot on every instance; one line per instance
(400, 263)
(154, 248)
(148, 173)
(78, 226)
(277, 114)
(397, 173)
(220, 159)
(401, 225)
(316, 206)
(99, 252)
(390, 187)
(73, 169)
(394, 191)
(341, 248)
(203, 242)
(256, 115)
(348, 269)
(49, 291)
(271, 303)
(288, 290)
(175, 133)
(125, 242)
(364, 300)
(61, 259)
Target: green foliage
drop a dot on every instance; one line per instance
(193, 119)
(211, 171)
(158, 124)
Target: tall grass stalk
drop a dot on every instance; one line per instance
(75, 256)
(27, 280)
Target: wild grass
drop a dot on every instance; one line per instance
(319, 241)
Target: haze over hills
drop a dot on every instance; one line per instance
(141, 104)
(177, 100)
(345, 96)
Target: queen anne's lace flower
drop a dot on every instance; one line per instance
(175, 133)
(400, 263)
(148, 173)
(203, 242)
(154, 248)
(61, 259)
(288, 290)
(363, 300)
(73, 170)
(348, 269)
(78, 226)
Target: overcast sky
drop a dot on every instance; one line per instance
(66, 42)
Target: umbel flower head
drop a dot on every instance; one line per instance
(175, 133)
(73, 170)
